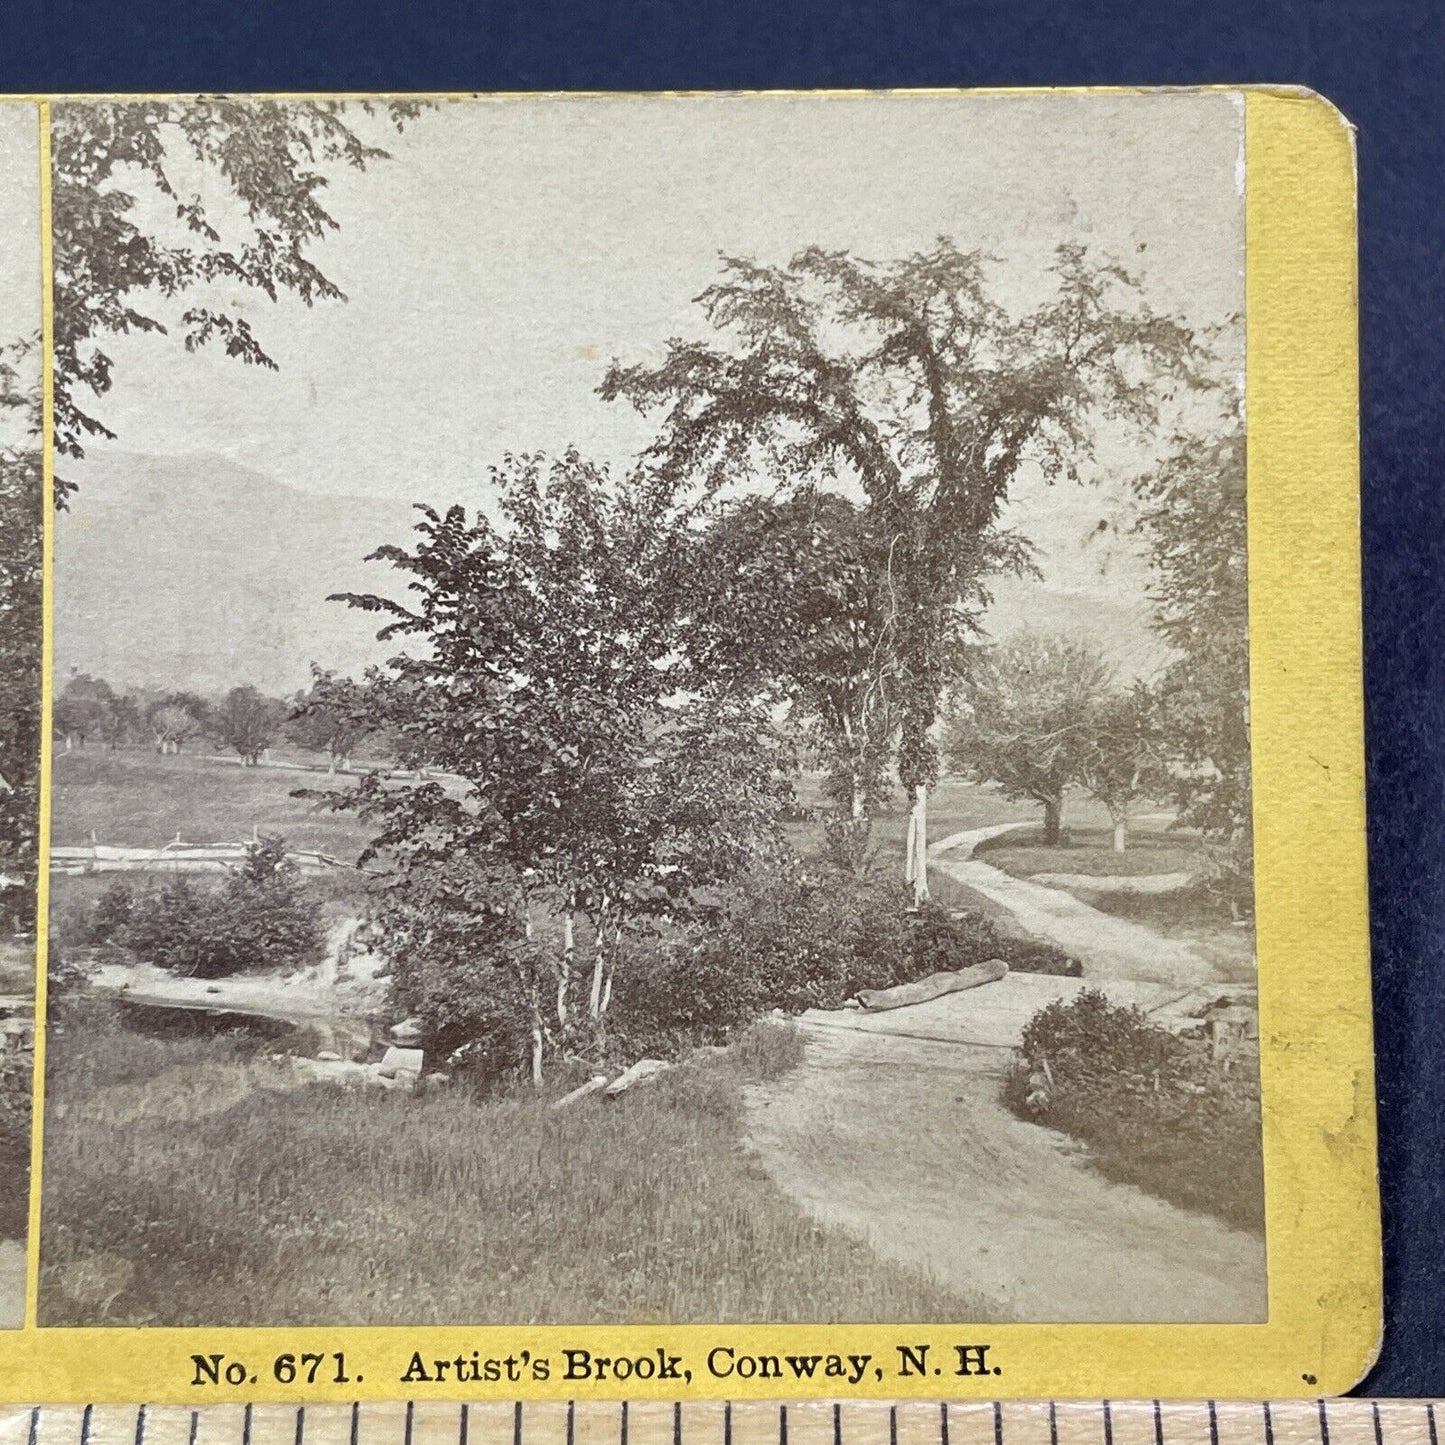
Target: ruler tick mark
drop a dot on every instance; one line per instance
(1213, 1425)
(1108, 1425)
(517, 1423)
(1053, 1425)
(246, 1426)
(195, 1427)
(622, 1428)
(1158, 1424)
(85, 1425)
(1324, 1425)
(676, 1425)
(942, 1422)
(140, 1426)
(406, 1429)
(1430, 1420)
(838, 1424)
(461, 1426)
(300, 1424)
(571, 1421)
(997, 1423)
(1268, 1424)
(34, 1434)
(782, 1426)
(355, 1421)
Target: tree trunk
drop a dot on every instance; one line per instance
(1121, 834)
(596, 1006)
(1053, 821)
(564, 978)
(916, 863)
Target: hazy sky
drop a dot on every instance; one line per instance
(512, 247)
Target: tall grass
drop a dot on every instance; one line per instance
(324, 1206)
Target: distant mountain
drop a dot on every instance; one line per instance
(1117, 622)
(199, 573)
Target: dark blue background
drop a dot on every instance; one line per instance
(1381, 63)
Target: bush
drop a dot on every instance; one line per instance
(804, 938)
(793, 938)
(1157, 1110)
(261, 918)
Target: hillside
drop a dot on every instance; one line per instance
(200, 573)
(195, 572)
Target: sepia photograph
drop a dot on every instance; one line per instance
(21, 528)
(650, 716)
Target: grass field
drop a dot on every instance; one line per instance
(138, 797)
(141, 798)
(352, 1208)
(1151, 849)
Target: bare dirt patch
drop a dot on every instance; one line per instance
(905, 1143)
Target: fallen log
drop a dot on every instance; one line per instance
(582, 1091)
(640, 1073)
(936, 985)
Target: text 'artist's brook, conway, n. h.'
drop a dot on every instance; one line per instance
(579, 1366)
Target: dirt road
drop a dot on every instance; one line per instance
(1108, 947)
(893, 1128)
(905, 1142)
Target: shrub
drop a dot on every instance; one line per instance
(16, 1082)
(797, 939)
(1157, 1110)
(261, 918)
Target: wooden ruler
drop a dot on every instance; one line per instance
(1072, 1422)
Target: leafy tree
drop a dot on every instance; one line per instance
(786, 616)
(602, 769)
(175, 719)
(248, 722)
(334, 716)
(20, 608)
(1124, 755)
(263, 166)
(1028, 720)
(84, 709)
(122, 721)
(907, 380)
(1195, 526)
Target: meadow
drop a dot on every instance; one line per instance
(141, 798)
(1088, 848)
(286, 1202)
(373, 1208)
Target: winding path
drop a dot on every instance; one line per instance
(1108, 947)
(905, 1142)
(892, 1127)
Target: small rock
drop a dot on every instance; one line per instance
(401, 1061)
(408, 1031)
(213, 988)
(329, 1056)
